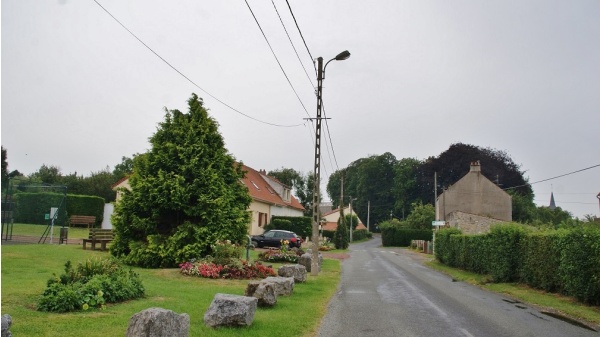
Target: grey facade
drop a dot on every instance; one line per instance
(477, 195)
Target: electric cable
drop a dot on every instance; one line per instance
(292, 43)
(302, 36)
(276, 59)
(187, 78)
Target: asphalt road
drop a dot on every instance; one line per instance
(386, 292)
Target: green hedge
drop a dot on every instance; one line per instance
(301, 225)
(564, 261)
(361, 234)
(32, 207)
(401, 237)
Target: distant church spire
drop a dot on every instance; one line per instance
(552, 204)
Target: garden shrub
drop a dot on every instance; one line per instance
(361, 234)
(442, 244)
(580, 264)
(301, 225)
(540, 259)
(90, 285)
(504, 252)
(401, 237)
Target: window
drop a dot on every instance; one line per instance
(262, 219)
(253, 183)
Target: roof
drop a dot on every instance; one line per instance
(332, 226)
(260, 190)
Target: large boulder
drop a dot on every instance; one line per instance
(6, 323)
(158, 322)
(264, 292)
(283, 286)
(306, 260)
(230, 310)
(297, 271)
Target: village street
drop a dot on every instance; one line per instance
(389, 292)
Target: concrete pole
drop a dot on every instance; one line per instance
(314, 266)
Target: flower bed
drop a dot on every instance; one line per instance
(243, 270)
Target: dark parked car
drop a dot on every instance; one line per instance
(273, 238)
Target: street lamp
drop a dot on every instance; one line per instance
(317, 173)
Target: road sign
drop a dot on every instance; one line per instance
(438, 223)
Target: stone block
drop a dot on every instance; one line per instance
(158, 322)
(264, 292)
(297, 271)
(283, 286)
(231, 310)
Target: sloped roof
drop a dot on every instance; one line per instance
(260, 190)
(332, 226)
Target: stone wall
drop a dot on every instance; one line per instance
(471, 223)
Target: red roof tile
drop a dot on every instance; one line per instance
(261, 190)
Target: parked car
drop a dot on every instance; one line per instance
(273, 238)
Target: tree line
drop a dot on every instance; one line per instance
(98, 183)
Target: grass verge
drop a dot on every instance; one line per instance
(553, 303)
(26, 269)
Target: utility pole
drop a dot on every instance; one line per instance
(435, 195)
(350, 218)
(368, 214)
(317, 172)
(314, 266)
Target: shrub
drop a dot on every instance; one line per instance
(225, 252)
(504, 251)
(401, 237)
(90, 285)
(580, 264)
(361, 234)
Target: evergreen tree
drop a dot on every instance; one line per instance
(185, 194)
(341, 236)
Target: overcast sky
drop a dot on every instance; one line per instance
(80, 92)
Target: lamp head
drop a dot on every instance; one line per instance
(343, 55)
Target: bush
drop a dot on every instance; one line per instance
(301, 225)
(580, 264)
(504, 252)
(361, 234)
(565, 261)
(90, 285)
(401, 237)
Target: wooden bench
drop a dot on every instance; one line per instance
(88, 220)
(97, 235)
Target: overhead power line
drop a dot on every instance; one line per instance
(276, 59)
(302, 36)
(560, 176)
(292, 43)
(187, 78)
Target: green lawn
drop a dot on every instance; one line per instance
(38, 230)
(26, 269)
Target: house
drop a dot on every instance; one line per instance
(329, 220)
(122, 183)
(269, 198)
(474, 203)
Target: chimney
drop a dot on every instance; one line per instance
(475, 166)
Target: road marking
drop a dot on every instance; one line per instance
(466, 332)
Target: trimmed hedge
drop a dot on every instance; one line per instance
(563, 261)
(32, 207)
(401, 237)
(301, 225)
(361, 234)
